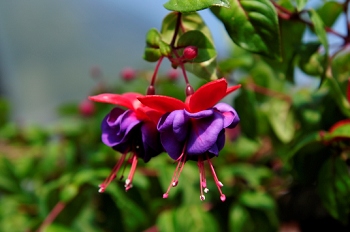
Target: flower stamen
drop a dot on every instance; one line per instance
(112, 175)
(203, 182)
(128, 181)
(175, 180)
(217, 182)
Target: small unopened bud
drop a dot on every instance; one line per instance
(206, 190)
(190, 52)
(189, 90)
(86, 108)
(165, 195)
(128, 74)
(151, 90)
(202, 197)
(173, 74)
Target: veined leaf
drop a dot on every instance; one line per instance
(194, 5)
(252, 25)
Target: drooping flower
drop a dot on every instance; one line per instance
(131, 132)
(195, 130)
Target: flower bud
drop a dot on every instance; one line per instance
(128, 74)
(172, 74)
(86, 108)
(190, 52)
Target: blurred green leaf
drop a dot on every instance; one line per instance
(334, 188)
(281, 119)
(329, 12)
(257, 200)
(187, 218)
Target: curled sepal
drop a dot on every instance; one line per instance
(252, 25)
(152, 51)
(194, 5)
(206, 50)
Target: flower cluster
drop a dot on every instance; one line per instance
(191, 130)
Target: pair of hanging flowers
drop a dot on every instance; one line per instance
(191, 130)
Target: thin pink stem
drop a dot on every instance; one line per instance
(52, 215)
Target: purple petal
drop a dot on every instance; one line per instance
(204, 134)
(171, 145)
(231, 118)
(220, 142)
(166, 122)
(200, 114)
(150, 140)
(180, 126)
(116, 128)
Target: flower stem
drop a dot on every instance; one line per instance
(52, 215)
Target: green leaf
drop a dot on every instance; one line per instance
(187, 218)
(310, 60)
(281, 119)
(322, 36)
(252, 25)
(339, 131)
(329, 12)
(205, 70)
(189, 22)
(301, 4)
(290, 45)
(245, 104)
(69, 192)
(340, 67)
(257, 200)
(319, 28)
(240, 219)
(206, 50)
(194, 5)
(334, 188)
(254, 176)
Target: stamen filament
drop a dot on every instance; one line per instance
(175, 179)
(128, 181)
(112, 175)
(217, 182)
(203, 183)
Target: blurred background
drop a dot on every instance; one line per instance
(49, 47)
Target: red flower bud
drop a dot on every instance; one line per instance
(86, 108)
(172, 74)
(128, 74)
(190, 52)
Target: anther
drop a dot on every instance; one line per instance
(202, 197)
(222, 197)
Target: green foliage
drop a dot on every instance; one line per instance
(291, 136)
(193, 5)
(252, 25)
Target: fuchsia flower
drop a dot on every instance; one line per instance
(129, 131)
(195, 130)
